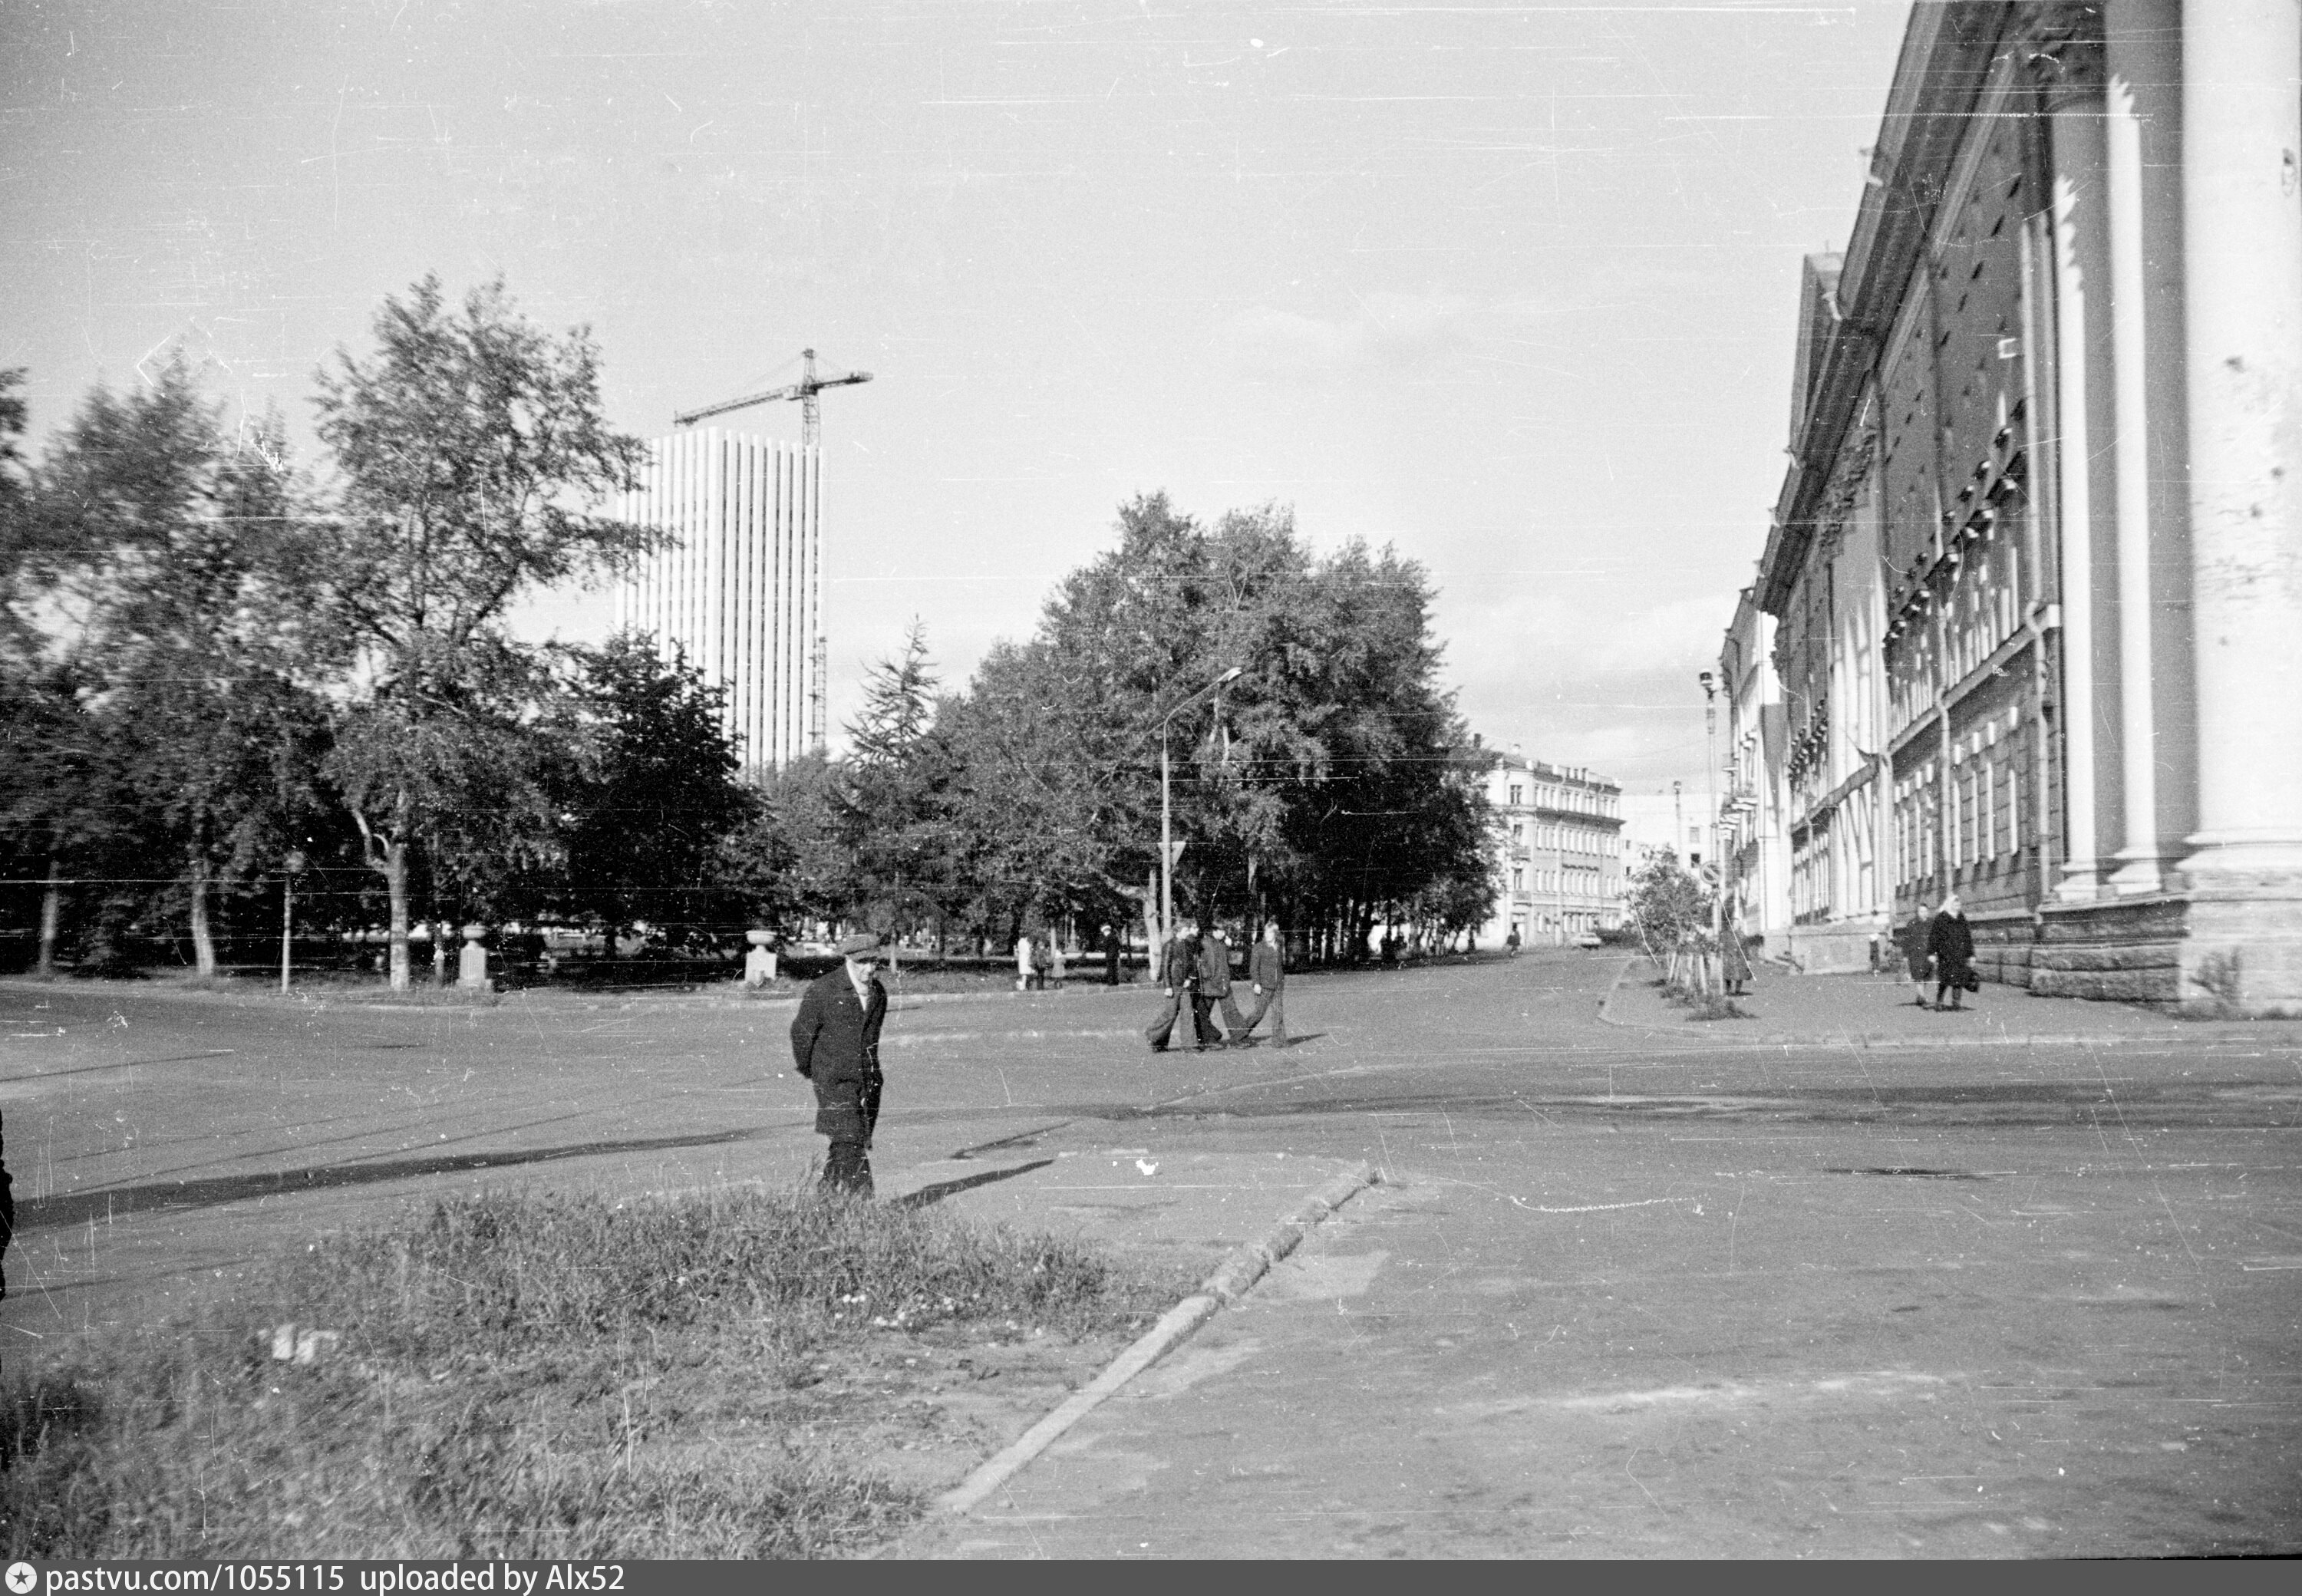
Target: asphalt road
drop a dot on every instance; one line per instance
(1615, 1298)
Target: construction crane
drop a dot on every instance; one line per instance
(811, 416)
(810, 433)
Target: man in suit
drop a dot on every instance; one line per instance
(1178, 967)
(835, 1047)
(1213, 987)
(1266, 971)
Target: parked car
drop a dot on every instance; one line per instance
(1589, 940)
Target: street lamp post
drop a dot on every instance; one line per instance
(291, 868)
(1167, 807)
(1711, 789)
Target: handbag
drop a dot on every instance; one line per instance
(1967, 981)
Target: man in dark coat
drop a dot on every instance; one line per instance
(1951, 944)
(1178, 963)
(7, 1208)
(835, 1046)
(1213, 987)
(1266, 973)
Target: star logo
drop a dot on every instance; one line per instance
(21, 1578)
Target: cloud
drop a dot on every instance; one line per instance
(1386, 332)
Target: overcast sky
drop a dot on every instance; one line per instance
(1508, 286)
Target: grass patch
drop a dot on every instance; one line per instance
(540, 1377)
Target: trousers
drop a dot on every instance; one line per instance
(847, 1168)
(1273, 1002)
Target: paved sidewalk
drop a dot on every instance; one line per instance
(1790, 1008)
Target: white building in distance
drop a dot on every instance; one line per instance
(739, 591)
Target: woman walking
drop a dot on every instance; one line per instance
(1914, 939)
(1951, 945)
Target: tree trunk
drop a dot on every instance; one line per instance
(52, 905)
(203, 957)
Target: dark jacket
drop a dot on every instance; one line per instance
(1913, 939)
(1214, 966)
(1179, 961)
(1952, 943)
(835, 1044)
(1267, 968)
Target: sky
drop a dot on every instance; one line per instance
(1510, 288)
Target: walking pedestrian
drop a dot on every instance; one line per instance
(7, 1205)
(1214, 989)
(1913, 939)
(835, 1047)
(1266, 973)
(1510, 943)
(1951, 942)
(1178, 970)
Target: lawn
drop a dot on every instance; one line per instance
(738, 1373)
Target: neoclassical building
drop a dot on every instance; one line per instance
(1560, 851)
(2037, 566)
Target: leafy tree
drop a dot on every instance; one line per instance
(1667, 904)
(787, 861)
(170, 547)
(657, 796)
(1332, 782)
(471, 451)
(889, 811)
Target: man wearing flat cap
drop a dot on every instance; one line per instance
(835, 1046)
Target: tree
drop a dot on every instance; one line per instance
(169, 546)
(1330, 782)
(1666, 904)
(471, 451)
(890, 807)
(657, 796)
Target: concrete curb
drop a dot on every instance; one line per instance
(1238, 1272)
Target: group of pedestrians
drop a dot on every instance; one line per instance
(1939, 946)
(1195, 968)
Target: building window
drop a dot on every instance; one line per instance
(1518, 878)
(1516, 794)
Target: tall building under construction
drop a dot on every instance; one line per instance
(739, 589)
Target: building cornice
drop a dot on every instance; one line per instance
(1946, 62)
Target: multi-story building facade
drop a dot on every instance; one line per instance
(1679, 823)
(1560, 851)
(2037, 566)
(739, 588)
(1753, 854)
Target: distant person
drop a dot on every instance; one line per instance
(1055, 963)
(1043, 960)
(1510, 943)
(1266, 973)
(835, 1047)
(1214, 990)
(1913, 940)
(7, 1205)
(1950, 942)
(1178, 972)
(1022, 964)
(1734, 958)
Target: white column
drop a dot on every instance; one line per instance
(2242, 168)
(2086, 476)
(2143, 47)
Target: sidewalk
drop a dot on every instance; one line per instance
(1787, 1008)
